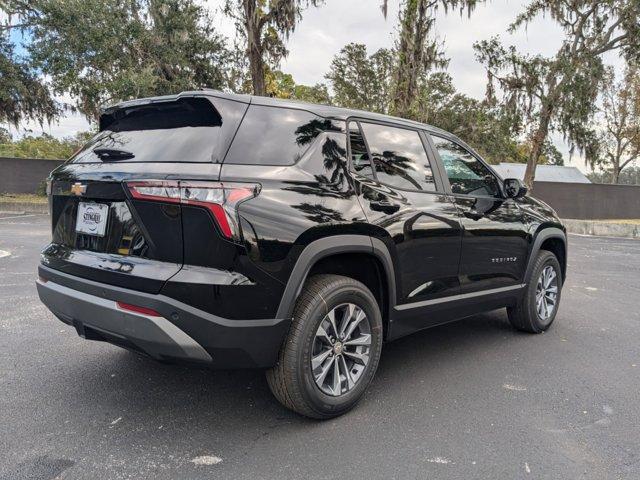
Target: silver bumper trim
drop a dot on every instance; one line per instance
(154, 335)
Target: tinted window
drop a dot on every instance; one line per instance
(398, 157)
(466, 173)
(360, 162)
(191, 129)
(326, 159)
(274, 136)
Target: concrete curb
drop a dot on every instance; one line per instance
(602, 229)
(22, 208)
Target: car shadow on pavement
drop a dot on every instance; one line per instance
(121, 400)
(148, 392)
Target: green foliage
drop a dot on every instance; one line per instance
(487, 129)
(618, 124)
(282, 85)
(364, 82)
(549, 155)
(263, 26)
(105, 51)
(361, 81)
(418, 52)
(43, 146)
(23, 95)
(5, 136)
(629, 176)
(558, 93)
(317, 93)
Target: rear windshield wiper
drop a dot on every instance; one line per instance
(112, 154)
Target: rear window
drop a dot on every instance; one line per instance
(191, 129)
(274, 136)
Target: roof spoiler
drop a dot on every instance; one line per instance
(109, 114)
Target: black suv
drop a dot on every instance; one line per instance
(247, 232)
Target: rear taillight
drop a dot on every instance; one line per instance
(221, 199)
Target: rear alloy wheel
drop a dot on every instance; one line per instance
(332, 350)
(537, 309)
(341, 349)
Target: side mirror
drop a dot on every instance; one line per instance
(513, 188)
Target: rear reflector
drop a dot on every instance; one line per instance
(136, 309)
(221, 199)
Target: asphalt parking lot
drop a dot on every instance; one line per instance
(473, 399)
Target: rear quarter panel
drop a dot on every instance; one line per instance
(297, 204)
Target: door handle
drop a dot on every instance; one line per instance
(384, 206)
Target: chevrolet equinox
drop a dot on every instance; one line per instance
(236, 231)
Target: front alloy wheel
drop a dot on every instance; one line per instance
(341, 349)
(538, 306)
(546, 293)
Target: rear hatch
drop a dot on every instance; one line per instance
(99, 230)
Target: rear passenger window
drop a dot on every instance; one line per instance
(398, 156)
(273, 136)
(360, 162)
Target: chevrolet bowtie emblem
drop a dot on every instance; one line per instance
(78, 189)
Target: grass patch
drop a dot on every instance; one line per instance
(22, 198)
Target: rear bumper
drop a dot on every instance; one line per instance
(182, 333)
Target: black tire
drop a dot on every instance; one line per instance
(291, 380)
(524, 316)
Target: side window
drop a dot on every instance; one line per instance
(360, 162)
(398, 156)
(467, 174)
(273, 136)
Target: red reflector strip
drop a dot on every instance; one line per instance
(135, 308)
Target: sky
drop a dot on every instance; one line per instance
(325, 30)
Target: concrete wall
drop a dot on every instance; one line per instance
(24, 175)
(590, 201)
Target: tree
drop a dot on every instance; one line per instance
(42, 146)
(629, 176)
(364, 82)
(317, 93)
(5, 136)
(282, 85)
(23, 95)
(265, 25)
(105, 51)
(487, 128)
(361, 81)
(418, 51)
(619, 138)
(558, 93)
(279, 84)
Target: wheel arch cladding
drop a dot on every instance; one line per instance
(340, 254)
(553, 240)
